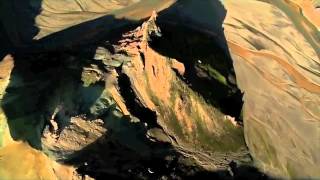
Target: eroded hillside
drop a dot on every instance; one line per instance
(126, 100)
(205, 89)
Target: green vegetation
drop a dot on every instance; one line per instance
(208, 66)
(214, 73)
(168, 114)
(230, 140)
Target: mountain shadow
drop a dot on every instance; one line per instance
(192, 32)
(47, 74)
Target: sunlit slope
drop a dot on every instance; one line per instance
(275, 48)
(276, 58)
(20, 161)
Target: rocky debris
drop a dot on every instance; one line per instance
(157, 134)
(111, 85)
(74, 137)
(183, 116)
(110, 60)
(140, 37)
(94, 119)
(280, 81)
(91, 75)
(102, 53)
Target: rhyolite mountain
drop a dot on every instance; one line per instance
(159, 89)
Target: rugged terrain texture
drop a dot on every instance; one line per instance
(196, 89)
(126, 104)
(276, 59)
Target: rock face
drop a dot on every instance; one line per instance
(111, 97)
(118, 101)
(191, 123)
(80, 133)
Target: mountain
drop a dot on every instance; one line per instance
(159, 89)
